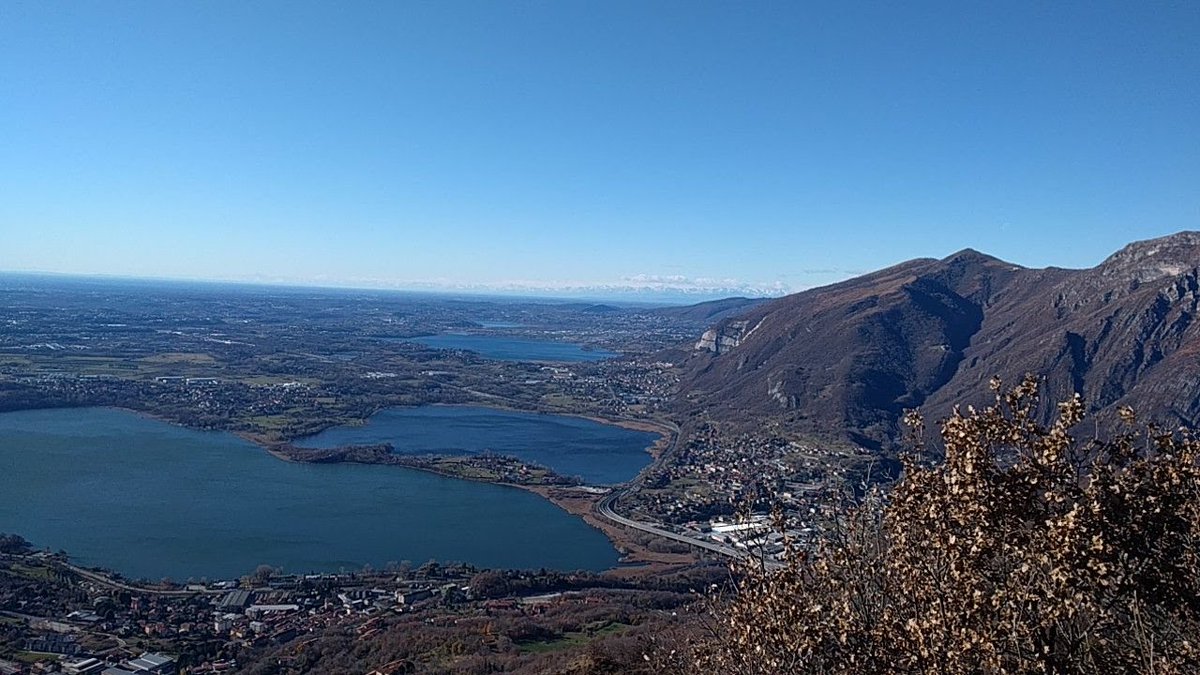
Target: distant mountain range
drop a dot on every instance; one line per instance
(641, 289)
(845, 360)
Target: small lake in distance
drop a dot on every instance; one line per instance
(503, 348)
(152, 500)
(572, 446)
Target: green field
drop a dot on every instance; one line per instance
(573, 639)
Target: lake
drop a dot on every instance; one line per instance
(572, 446)
(504, 348)
(149, 500)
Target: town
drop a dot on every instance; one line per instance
(58, 618)
(286, 364)
(275, 367)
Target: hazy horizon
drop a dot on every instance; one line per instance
(698, 150)
(631, 297)
(652, 292)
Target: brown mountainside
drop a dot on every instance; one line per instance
(711, 311)
(846, 360)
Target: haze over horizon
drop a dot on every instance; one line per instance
(701, 149)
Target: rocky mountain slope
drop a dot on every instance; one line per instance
(846, 360)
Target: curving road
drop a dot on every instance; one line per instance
(604, 508)
(113, 583)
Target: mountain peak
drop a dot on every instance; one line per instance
(969, 256)
(847, 359)
(968, 253)
(1152, 259)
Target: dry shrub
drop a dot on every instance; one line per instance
(1026, 550)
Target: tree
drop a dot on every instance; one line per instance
(1025, 550)
(14, 544)
(430, 570)
(263, 573)
(490, 584)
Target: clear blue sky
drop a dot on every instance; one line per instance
(565, 142)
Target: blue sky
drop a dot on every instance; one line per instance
(732, 145)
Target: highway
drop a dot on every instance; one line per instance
(604, 508)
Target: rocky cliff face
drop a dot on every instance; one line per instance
(725, 337)
(848, 359)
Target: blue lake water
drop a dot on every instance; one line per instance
(572, 446)
(150, 500)
(504, 348)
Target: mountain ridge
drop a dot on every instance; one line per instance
(846, 360)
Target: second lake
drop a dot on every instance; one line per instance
(572, 446)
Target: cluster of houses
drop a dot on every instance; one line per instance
(209, 625)
(151, 663)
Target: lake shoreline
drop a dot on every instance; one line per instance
(630, 550)
(266, 442)
(576, 500)
(580, 501)
(220, 489)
